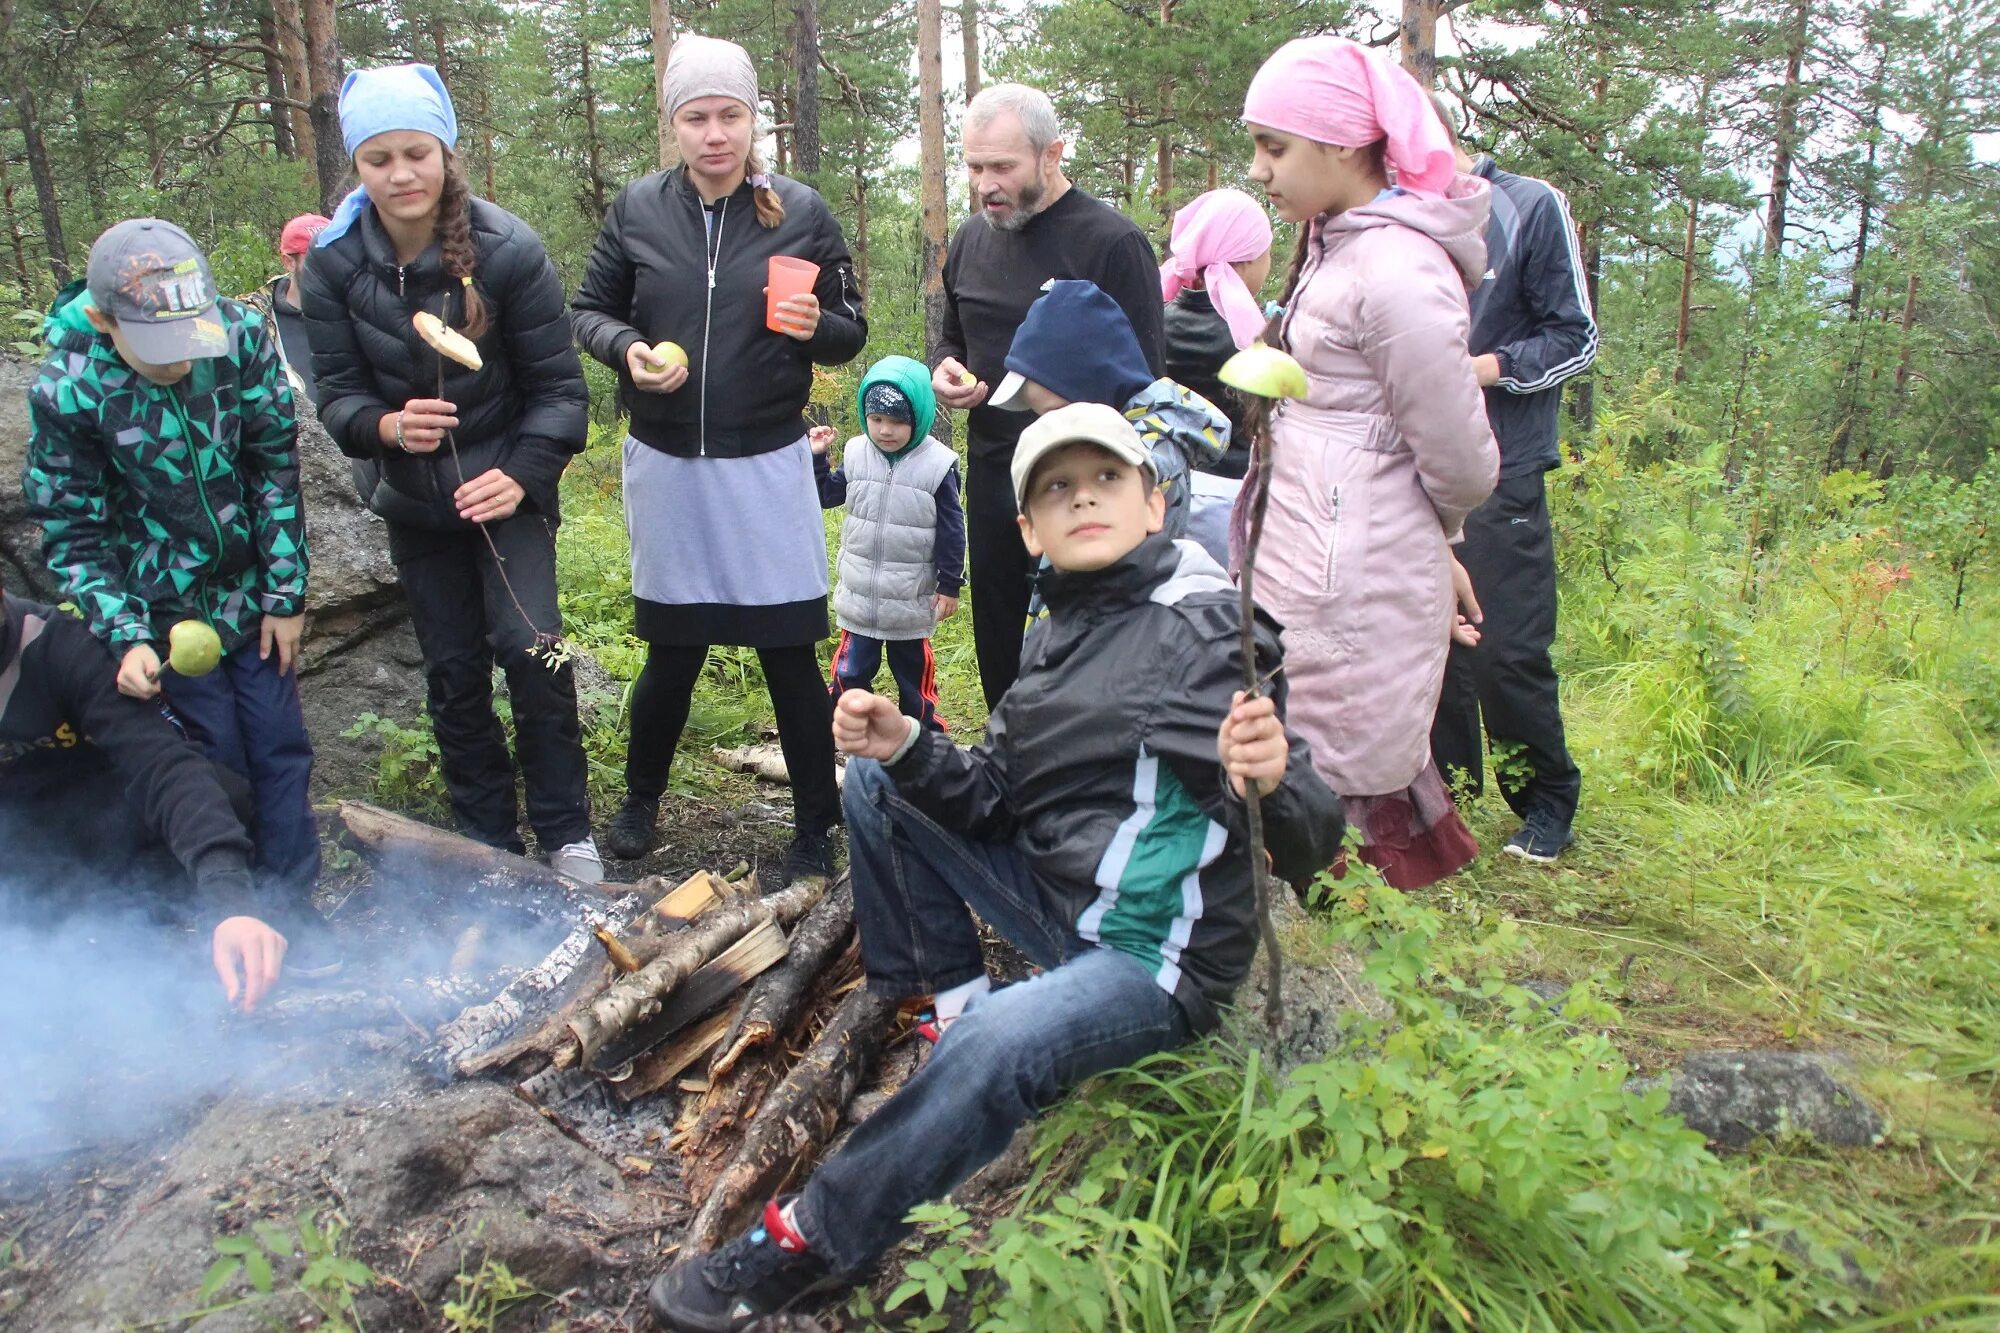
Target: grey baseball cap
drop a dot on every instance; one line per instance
(154, 282)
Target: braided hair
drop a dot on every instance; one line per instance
(454, 238)
(770, 208)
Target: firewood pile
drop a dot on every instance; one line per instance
(749, 1007)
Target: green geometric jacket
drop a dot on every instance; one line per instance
(160, 503)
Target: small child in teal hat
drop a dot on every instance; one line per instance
(902, 547)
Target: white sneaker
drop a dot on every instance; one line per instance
(580, 862)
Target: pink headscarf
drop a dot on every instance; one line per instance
(1211, 233)
(1333, 91)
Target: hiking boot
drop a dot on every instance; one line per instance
(579, 861)
(634, 829)
(1541, 839)
(810, 856)
(763, 1272)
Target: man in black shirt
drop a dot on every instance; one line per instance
(94, 782)
(1033, 226)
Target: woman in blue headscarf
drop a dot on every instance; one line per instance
(462, 461)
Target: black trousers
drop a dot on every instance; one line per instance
(665, 688)
(466, 621)
(1001, 575)
(1508, 680)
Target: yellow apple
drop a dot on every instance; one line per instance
(1264, 371)
(193, 648)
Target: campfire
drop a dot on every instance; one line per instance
(700, 1023)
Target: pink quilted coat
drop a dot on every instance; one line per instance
(1372, 477)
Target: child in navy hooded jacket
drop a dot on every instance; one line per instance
(1077, 346)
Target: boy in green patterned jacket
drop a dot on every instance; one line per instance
(163, 467)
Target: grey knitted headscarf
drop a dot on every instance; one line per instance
(708, 67)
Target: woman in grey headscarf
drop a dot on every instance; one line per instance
(728, 546)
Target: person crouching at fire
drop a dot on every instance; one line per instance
(94, 783)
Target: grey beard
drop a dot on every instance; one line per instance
(1025, 208)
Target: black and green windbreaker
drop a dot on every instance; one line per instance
(160, 503)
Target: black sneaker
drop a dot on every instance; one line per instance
(634, 830)
(1542, 838)
(765, 1271)
(810, 856)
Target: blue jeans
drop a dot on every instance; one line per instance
(1012, 1054)
(245, 715)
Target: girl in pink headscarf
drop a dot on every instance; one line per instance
(1219, 262)
(1375, 470)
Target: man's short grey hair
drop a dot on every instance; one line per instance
(1031, 106)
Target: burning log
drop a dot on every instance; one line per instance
(661, 1065)
(384, 835)
(737, 966)
(779, 996)
(633, 998)
(546, 1038)
(798, 1116)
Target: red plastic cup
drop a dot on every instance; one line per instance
(789, 277)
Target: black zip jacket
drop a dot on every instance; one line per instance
(1100, 765)
(1533, 312)
(524, 412)
(659, 274)
(62, 720)
(1198, 342)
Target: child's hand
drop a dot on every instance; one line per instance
(1464, 632)
(423, 423)
(1252, 743)
(139, 673)
(1468, 614)
(248, 956)
(820, 438)
(868, 726)
(280, 634)
(943, 607)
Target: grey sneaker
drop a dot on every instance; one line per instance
(1542, 838)
(580, 862)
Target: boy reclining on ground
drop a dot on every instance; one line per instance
(1100, 828)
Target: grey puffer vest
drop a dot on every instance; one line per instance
(888, 560)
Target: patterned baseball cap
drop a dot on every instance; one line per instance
(154, 282)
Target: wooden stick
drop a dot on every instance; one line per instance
(637, 996)
(384, 835)
(797, 1117)
(615, 950)
(736, 967)
(775, 1001)
(1274, 1002)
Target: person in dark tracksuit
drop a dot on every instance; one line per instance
(1531, 330)
(96, 784)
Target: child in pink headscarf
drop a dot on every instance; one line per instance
(1373, 473)
(1219, 261)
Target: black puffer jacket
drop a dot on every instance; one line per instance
(649, 281)
(1099, 765)
(523, 412)
(1198, 342)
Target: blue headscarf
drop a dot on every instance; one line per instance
(376, 101)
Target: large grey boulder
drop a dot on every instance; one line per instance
(1738, 1097)
(21, 567)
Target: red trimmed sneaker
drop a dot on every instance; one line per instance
(763, 1272)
